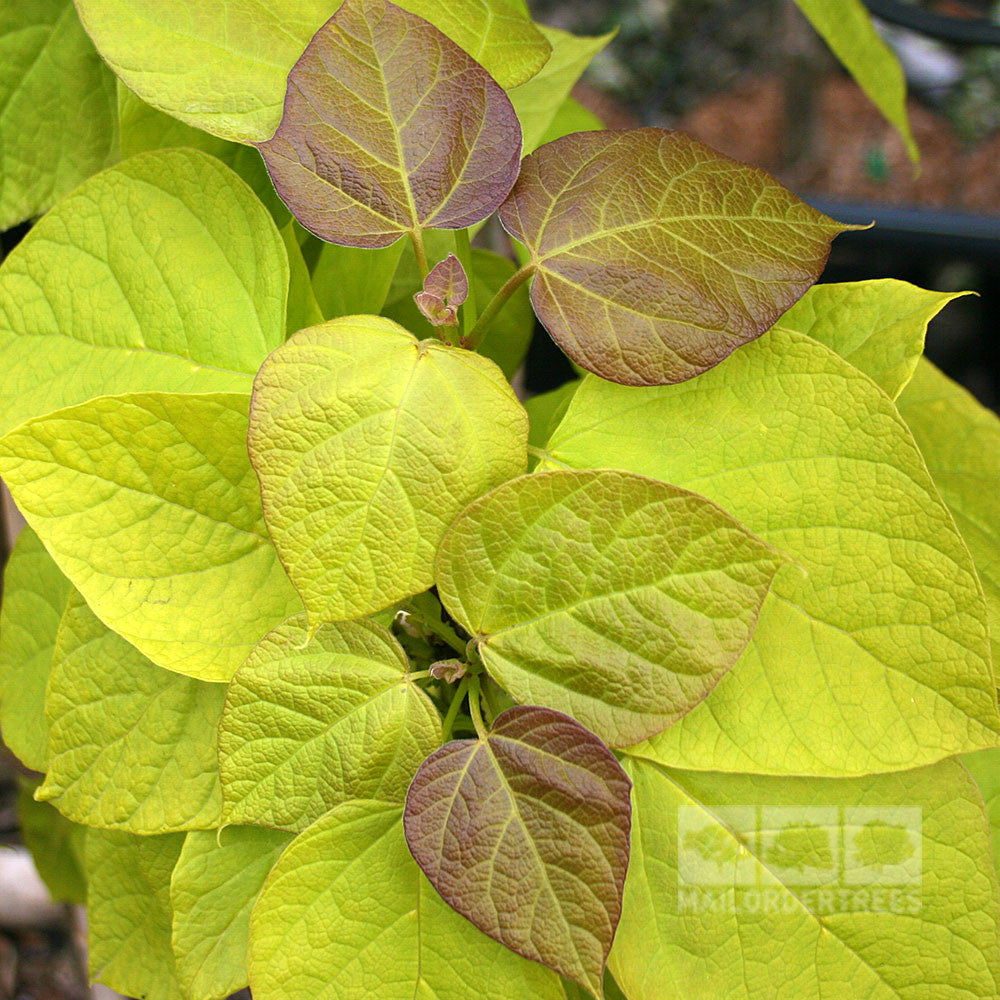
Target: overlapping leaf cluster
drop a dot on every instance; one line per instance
(330, 694)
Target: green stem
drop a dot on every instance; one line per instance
(478, 333)
(431, 618)
(418, 675)
(474, 709)
(463, 250)
(421, 254)
(456, 703)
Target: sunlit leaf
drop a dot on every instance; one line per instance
(368, 443)
(538, 101)
(128, 913)
(57, 107)
(309, 723)
(656, 257)
(347, 913)
(879, 326)
(149, 766)
(746, 887)
(611, 597)
(149, 505)
(959, 440)
(871, 652)
(164, 273)
(34, 596)
(445, 289)
(222, 65)
(364, 152)
(214, 885)
(525, 832)
(847, 28)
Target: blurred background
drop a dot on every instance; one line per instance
(753, 80)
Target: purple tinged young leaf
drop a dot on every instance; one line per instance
(448, 670)
(445, 289)
(526, 834)
(656, 257)
(389, 127)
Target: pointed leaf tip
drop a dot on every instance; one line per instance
(526, 834)
(656, 256)
(445, 289)
(390, 127)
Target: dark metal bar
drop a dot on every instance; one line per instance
(941, 230)
(958, 31)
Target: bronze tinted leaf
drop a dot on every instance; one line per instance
(445, 289)
(657, 257)
(526, 833)
(390, 127)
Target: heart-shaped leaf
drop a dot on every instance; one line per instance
(389, 128)
(525, 832)
(611, 597)
(312, 722)
(368, 443)
(654, 256)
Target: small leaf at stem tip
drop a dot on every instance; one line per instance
(388, 128)
(656, 257)
(449, 670)
(445, 289)
(525, 832)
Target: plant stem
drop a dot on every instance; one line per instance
(418, 675)
(463, 250)
(432, 618)
(474, 709)
(478, 333)
(456, 703)
(421, 254)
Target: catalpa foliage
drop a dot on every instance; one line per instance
(347, 674)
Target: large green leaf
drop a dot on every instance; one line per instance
(878, 888)
(366, 151)
(149, 505)
(871, 652)
(164, 273)
(144, 128)
(222, 65)
(368, 443)
(214, 885)
(525, 832)
(346, 914)
(128, 913)
(303, 309)
(56, 845)
(34, 596)
(572, 116)
(309, 723)
(614, 598)
(985, 768)
(848, 30)
(960, 442)
(879, 326)
(654, 257)
(538, 101)
(57, 107)
(131, 745)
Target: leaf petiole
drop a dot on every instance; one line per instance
(474, 708)
(478, 333)
(421, 253)
(456, 703)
